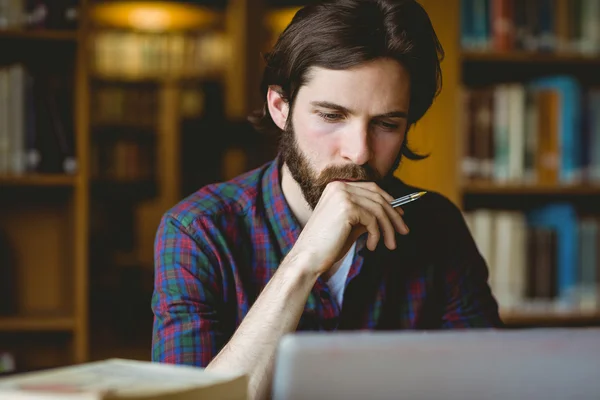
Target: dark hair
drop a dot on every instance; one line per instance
(340, 34)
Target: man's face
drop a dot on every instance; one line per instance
(347, 125)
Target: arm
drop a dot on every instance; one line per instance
(186, 322)
(186, 298)
(276, 312)
(344, 212)
(469, 302)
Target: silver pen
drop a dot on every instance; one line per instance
(406, 199)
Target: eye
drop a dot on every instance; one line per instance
(388, 126)
(330, 117)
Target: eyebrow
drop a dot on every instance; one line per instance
(333, 106)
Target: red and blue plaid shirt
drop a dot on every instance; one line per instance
(217, 249)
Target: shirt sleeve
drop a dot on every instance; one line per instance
(186, 327)
(469, 302)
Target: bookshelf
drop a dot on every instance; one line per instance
(550, 318)
(37, 323)
(529, 57)
(509, 139)
(38, 180)
(145, 87)
(489, 188)
(39, 35)
(44, 205)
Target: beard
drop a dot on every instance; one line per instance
(312, 184)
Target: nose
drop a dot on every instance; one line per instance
(355, 144)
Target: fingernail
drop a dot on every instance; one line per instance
(406, 228)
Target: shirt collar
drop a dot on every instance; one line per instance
(286, 226)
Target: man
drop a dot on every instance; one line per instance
(309, 241)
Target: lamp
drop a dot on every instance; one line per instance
(152, 16)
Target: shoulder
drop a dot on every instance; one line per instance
(231, 198)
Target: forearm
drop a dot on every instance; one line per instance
(276, 311)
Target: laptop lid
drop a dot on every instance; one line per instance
(540, 363)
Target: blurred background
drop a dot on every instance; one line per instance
(111, 112)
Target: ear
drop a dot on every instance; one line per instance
(278, 106)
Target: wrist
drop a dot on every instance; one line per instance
(300, 267)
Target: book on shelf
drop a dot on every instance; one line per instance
(146, 55)
(545, 131)
(547, 258)
(549, 26)
(39, 14)
(116, 379)
(36, 122)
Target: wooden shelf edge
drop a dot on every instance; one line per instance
(517, 188)
(38, 180)
(550, 317)
(528, 57)
(36, 323)
(56, 35)
(157, 77)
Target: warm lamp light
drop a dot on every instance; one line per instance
(279, 19)
(155, 16)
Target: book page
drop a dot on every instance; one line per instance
(117, 377)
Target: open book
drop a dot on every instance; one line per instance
(117, 379)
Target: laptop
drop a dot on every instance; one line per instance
(540, 363)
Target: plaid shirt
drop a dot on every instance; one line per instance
(216, 250)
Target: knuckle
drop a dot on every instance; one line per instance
(344, 200)
(346, 207)
(335, 186)
(372, 186)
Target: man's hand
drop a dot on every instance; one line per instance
(345, 211)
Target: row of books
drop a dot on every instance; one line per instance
(36, 122)
(547, 257)
(134, 54)
(123, 160)
(562, 26)
(545, 131)
(121, 105)
(39, 14)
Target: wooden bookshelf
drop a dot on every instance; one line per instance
(488, 69)
(153, 78)
(52, 180)
(37, 324)
(528, 57)
(491, 188)
(551, 318)
(43, 35)
(46, 231)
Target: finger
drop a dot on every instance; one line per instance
(376, 197)
(362, 218)
(369, 221)
(382, 219)
(373, 188)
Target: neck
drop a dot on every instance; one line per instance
(294, 197)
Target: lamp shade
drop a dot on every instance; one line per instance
(153, 16)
